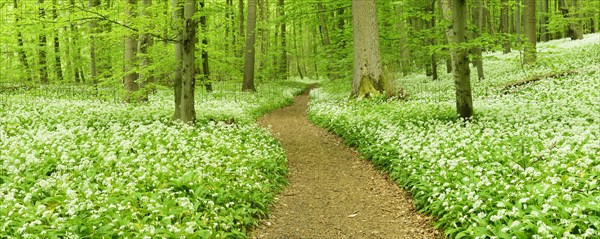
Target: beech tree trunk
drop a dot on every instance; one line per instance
(178, 45)
(477, 50)
(404, 50)
(530, 32)
(248, 84)
(368, 78)
(456, 12)
(130, 80)
(20, 50)
(145, 42)
(57, 60)
(544, 21)
(283, 61)
(505, 26)
(205, 65)
(43, 68)
(93, 29)
(188, 78)
(241, 25)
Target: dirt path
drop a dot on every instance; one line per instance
(332, 192)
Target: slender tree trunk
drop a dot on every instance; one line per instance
(325, 37)
(477, 50)
(178, 45)
(57, 60)
(283, 61)
(456, 12)
(21, 50)
(74, 49)
(434, 70)
(249, 57)
(404, 49)
(241, 25)
(530, 32)
(43, 68)
(145, 42)
(93, 4)
(368, 78)
(130, 80)
(205, 65)
(504, 25)
(518, 21)
(188, 81)
(544, 36)
(298, 55)
(575, 21)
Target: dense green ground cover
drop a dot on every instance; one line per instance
(76, 167)
(527, 165)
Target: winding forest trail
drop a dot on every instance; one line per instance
(332, 192)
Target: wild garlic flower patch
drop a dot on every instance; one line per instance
(87, 168)
(527, 166)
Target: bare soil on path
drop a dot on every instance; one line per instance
(332, 192)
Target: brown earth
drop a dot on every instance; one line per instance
(332, 192)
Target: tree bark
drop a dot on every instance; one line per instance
(130, 80)
(248, 84)
(93, 30)
(57, 60)
(544, 36)
(205, 65)
(477, 50)
(188, 81)
(404, 50)
(178, 45)
(43, 68)
(530, 32)
(368, 78)
(145, 42)
(325, 38)
(504, 25)
(456, 12)
(283, 61)
(21, 50)
(241, 25)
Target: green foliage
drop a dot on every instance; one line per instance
(527, 165)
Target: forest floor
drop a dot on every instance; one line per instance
(332, 192)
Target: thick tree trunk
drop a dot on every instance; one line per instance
(248, 84)
(504, 26)
(43, 68)
(456, 12)
(130, 80)
(368, 78)
(432, 42)
(530, 32)
(178, 45)
(188, 81)
(283, 61)
(205, 66)
(57, 60)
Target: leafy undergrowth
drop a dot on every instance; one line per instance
(81, 168)
(527, 165)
